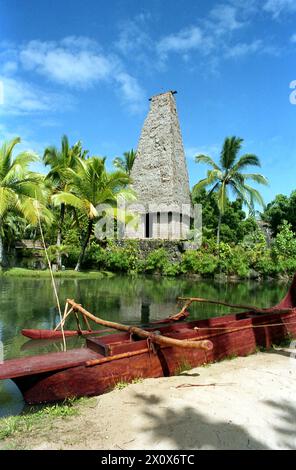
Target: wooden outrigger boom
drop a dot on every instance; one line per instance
(250, 308)
(153, 337)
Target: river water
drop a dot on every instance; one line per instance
(30, 303)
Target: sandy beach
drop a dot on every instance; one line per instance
(243, 403)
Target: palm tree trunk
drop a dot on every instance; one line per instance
(59, 236)
(2, 252)
(81, 256)
(219, 229)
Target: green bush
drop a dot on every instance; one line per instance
(156, 261)
(122, 259)
(199, 262)
(231, 259)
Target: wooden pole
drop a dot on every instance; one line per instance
(246, 307)
(96, 362)
(155, 338)
(51, 275)
(64, 319)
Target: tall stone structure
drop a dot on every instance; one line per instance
(159, 175)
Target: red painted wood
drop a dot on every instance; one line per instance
(51, 334)
(87, 381)
(32, 365)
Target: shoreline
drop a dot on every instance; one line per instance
(93, 274)
(243, 403)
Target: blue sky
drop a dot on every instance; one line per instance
(87, 68)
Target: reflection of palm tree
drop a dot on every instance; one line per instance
(228, 175)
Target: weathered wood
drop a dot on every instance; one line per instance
(154, 338)
(52, 334)
(250, 308)
(96, 362)
(65, 316)
(33, 365)
(182, 315)
(87, 381)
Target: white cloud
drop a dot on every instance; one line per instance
(224, 18)
(73, 61)
(242, 49)
(131, 91)
(277, 7)
(20, 97)
(134, 36)
(181, 42)
(254, 47)
(216, 37)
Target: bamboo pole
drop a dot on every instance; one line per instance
(226, 304)
(96, 362)
(64, 319)
(155, 338)
(51, 275)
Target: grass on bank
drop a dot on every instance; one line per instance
(67, 274)
(121, 384)
(37, 417)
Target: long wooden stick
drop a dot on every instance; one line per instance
(64, 319)
(226, 304)
(96, 362)
(155, 338)
(51, 275)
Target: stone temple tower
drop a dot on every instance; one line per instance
(160, 177)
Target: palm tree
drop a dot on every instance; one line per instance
(91, 185)
(60, 161)
(228, 175)
(21, 190)
(126, 162)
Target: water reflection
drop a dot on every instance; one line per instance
(11, 400)
(30, 303)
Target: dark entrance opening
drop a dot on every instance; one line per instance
(148, 225)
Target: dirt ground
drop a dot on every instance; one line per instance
(252, 405)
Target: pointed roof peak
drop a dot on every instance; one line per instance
(170, 92)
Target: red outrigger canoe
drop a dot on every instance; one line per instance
(104, 361)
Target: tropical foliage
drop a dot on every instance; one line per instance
(90, 186)
(79, 192)
(229, 175)
(282, 208)
(126, 162)
(60, 161)
(22, 192)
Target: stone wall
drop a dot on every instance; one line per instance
(173, 248)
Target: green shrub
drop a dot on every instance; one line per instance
(156, 261)
(199, 262)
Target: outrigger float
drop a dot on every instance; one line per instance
(158, 351)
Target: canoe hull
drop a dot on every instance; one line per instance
(51, 334)
(230, 337)
(87, 381)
